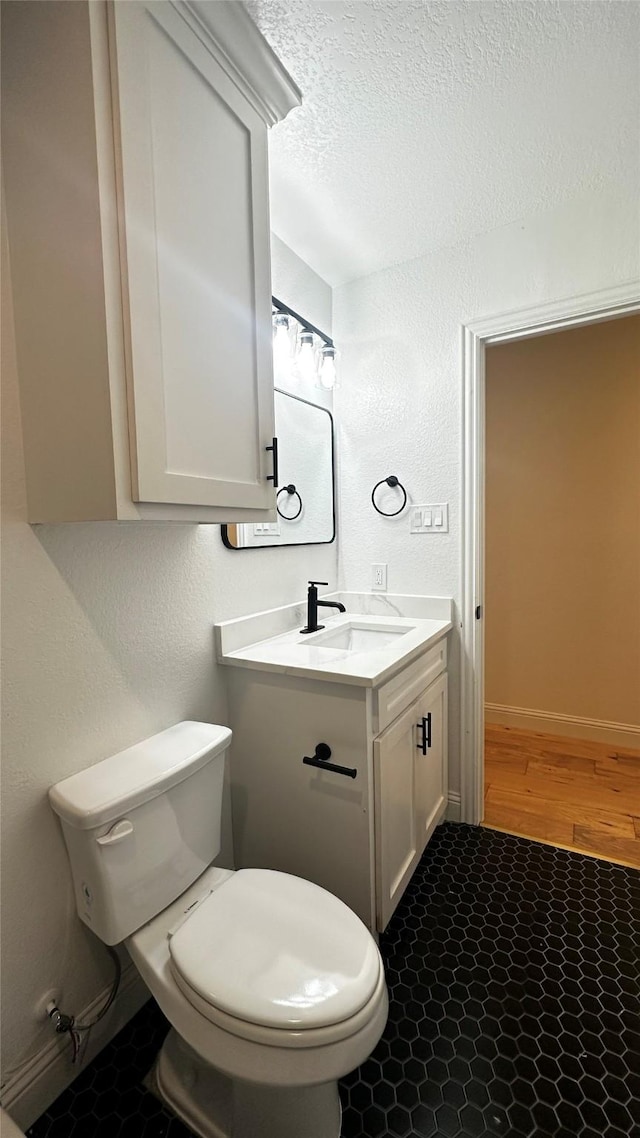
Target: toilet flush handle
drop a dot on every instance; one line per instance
(117, 833)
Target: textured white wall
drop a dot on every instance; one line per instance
(107, 638)
(399, 403)
(295, 284)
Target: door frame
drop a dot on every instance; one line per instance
(522, 324)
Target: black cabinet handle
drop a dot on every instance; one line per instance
(425, 742)
(274, 477)
(323, 752)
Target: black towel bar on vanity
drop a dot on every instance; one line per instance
(323, 752)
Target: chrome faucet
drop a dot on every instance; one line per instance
(313, 604)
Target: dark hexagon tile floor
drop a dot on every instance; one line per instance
(515, 1009)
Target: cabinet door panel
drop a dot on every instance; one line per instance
(397, 850)
(431, 770)
(195, 235)
(410, 793)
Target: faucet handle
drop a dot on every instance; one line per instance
(318, 582)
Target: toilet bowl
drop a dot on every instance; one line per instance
(252, 1010)
(274, 988)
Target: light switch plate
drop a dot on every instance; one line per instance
(266, 529)
(430, 518)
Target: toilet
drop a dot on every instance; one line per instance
(274, 988)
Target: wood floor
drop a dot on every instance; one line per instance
(568, 792)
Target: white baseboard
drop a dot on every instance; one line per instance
(48, 1072)
(552, 723)
(453, 807)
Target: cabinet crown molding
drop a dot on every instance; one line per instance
(246, 56)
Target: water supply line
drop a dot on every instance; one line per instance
(66, 1024)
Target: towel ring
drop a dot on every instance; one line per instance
(390, 481)
(290, 489)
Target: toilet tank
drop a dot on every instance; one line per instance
(141, 826)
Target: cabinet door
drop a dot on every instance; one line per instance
(410, 793)
(193, 207)
(431, 768)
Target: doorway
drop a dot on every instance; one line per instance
(478, 336)
(562, 588)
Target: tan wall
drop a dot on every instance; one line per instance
(563, 523)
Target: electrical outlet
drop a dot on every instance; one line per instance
(379, 577)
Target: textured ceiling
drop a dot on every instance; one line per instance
(425, 123)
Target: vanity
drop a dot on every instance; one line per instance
(339, 757)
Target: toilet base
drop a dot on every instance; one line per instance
(215, 1106)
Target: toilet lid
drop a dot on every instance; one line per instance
(272, 949)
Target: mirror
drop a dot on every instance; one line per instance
(306, 495)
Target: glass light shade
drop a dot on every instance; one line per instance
(282, 353)
(327, 374)
(306, 360)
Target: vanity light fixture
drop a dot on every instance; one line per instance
(313, 348)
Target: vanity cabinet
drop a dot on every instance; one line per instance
(361, 838)
(135, 140)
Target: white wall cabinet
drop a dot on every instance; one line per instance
(137, 202)
(360, 838)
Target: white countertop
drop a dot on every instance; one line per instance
(296, 655)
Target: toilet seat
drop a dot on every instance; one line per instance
(320, 1037)
(269, 955)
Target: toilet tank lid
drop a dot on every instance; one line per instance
(110, 788)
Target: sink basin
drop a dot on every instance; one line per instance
(360, 636)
